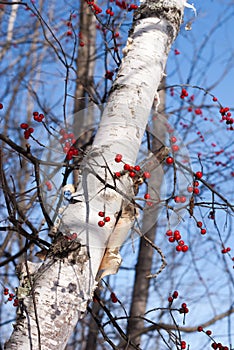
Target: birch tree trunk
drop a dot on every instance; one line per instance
(54, 295)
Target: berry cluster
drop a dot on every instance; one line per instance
(95, 8)
(174, 147)
(124, 6)
(80, 38)
(176, 237)
(180, 199)
(38, 117)
(105, 219)
(203, 230)
(194, 189)
(174, 296)
(11, 297)
(183, 344)
(113, 297)
(110, 12)
(67, 140)
(225, 250)
(184, 309)
(130, 169)
(27, 130)
(184, 93)
(109, 75)
(214, 345)
(49, 185)
(176, 52)
(135, 172)
(226, 115)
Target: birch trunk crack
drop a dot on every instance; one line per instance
(57, 292)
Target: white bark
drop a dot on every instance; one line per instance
(62, 287)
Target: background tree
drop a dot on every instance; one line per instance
(207, 204)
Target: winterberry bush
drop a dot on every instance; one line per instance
(59, 65)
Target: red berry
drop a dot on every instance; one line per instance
(6, 291)
(107, 219)
(62, 132)
(137, 167)
(199, 329)
(199, 174)
(181, 243)
(26, 134)
(101, 223)
(169, 160)
(184, 305)
(146, 175)
(203, 231)
(40, 117)
(173, 139)
(16, 302)
(196, 183)
(196, 191)
(171, 239)
(208, 332)
(170, 299)
(49, 185)
(1, 106)
(175, 148)
(82, 43)
(199, 224)
(178, 248)
(177, 52)
(117, 174)
(198, 111)
(133, 7)
(190, 189)
(24, 126)
(147, 196)
(177, 235)
(132, 174)
(101, 213)
(114, 298)
(175, 294)
(215, 99)
(185, 248)
(177, 199)
(169, 233)
(127, 167)
(182, 199)
(118, 158)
